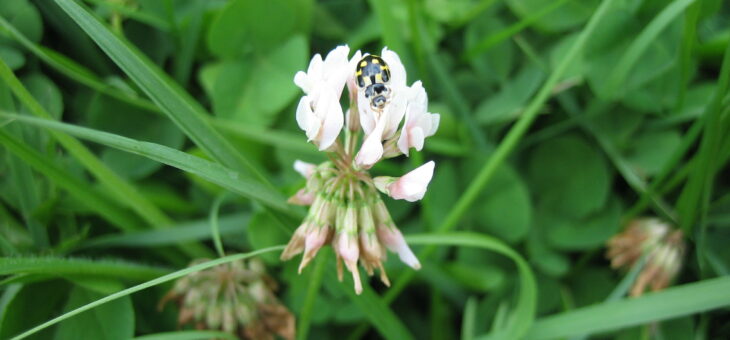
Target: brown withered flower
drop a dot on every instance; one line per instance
(662, 245)
(236, 297)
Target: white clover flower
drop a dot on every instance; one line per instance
(346, 210)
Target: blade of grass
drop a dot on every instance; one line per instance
(694, 199)
(210, 171)
(469, 319)
(78, 266)
(526, 302)
(188, 335)
(674, 302)
(315, 282)
(133, 13)
(689, 38)
(145, 285)
(179, 106)
(194, 231)
(214, 228)
(96, 201)
(641, 44)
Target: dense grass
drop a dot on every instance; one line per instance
(139, 135)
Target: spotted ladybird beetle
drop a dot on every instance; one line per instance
(373, 76)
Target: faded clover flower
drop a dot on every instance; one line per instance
(346, 210)
(235, 297)
(662, 245)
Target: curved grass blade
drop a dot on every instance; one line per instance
(642, 42)
(671, 303)
(78, 266)
(145, 285)
(210, 171)
(179, 106)
(523, 313)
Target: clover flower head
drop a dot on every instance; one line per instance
(662, 245)
(236, 297)
(387, 118)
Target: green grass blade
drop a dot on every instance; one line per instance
(179, 106)
(305, 315)
(195, 231)
(96, 201)
(78, 266)
(188, 335)
(214, 227)
(524, 311)
(672, 303)
(145, 285)
(469, 319)
(210, 171)
(641, 44)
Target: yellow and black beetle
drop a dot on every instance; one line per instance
(373, 76)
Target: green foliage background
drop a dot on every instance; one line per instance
(137, 135)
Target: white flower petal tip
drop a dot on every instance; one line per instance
(303, 168)
(392, 238)
(412, 186)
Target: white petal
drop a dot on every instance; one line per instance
(412, 186)
(304, 114)
(403, 141)
(367, 115)
(372, 148)
(302, 80)
(315, 67)
(333, 117)
(303, 168)
(416, 137)
(435, 120)
(397, 70)
(394, 113)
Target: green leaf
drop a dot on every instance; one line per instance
(570, 176)
(30, 304)
(114, 320)
(262, 232)
(504, 209)
(674, 302)
(210, 171)
(589, 232)
(45, 92)
(238, 28)
(510, 101)
(14, 58)
(651, 150)
(25, 16)
(572, 14)
(254, 90)
(180, 107)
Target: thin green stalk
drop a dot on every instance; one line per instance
(78, 266)
(689, 38)
(641, 44)
(214, 228)
(469, 318)
(145, 285)
(315, 282)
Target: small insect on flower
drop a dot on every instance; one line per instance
(373, 77)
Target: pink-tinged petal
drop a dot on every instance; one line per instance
(416, 138)
(303, 197)
(303, 168)
(397, 70)
(392, 238)
(383, 182)
(330, 111)
(372, 148)
(296, 244)
(412, 186)
(314, 240)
